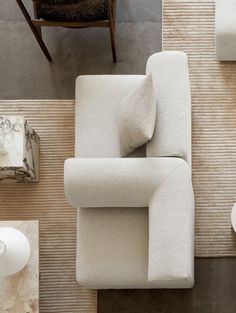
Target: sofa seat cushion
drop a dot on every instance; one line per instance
(112, 250)
(96, 113)
(72, 10)
(135, 247)
(112, 247)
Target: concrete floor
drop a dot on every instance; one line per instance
(25, 73)
(214, 292)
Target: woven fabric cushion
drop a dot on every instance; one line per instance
(137, 116)
(72, 10)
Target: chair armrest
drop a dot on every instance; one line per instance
(115, 182)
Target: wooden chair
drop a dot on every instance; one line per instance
(71, 14)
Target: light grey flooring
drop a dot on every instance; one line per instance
(25, 73)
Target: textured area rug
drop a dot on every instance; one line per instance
(45, 201)
(189, 26)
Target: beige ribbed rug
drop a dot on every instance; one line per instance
(189, 26)
(45, 201)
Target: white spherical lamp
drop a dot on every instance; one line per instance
(14, 251)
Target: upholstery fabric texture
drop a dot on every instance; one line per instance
(225, 30)
(112, 248)
(137, 116)
(97, 128)
(115, 182)
(171, 230)
(72, 10)
(96, 113)
(135, 215)
(163, 184)
(172, 134)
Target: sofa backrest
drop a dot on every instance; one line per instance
(98, 98)
(172, 134)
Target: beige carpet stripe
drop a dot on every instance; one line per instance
(214, 178)
(189, 26)
(45, 201)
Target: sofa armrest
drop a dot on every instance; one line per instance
(171, 231)
(172, 134)
(163, 184)
(115, 182)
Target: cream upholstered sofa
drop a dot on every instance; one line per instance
(225, 30)
(136, 214)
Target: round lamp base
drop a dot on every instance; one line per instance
(14, 251)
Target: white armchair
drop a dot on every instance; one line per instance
(135, 215)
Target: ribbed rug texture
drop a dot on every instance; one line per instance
(190, 26)
(54, 122)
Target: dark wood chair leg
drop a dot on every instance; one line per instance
(112, 28)
(114, 14)
(36, 16)
(34, 30)
(113, 42)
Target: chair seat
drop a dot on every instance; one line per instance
(72, 10)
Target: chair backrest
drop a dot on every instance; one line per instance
(72, 10)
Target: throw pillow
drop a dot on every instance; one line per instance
(137, 116)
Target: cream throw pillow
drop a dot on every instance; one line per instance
(137, 116)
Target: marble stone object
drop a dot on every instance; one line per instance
(19, 150)
(19, 293)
